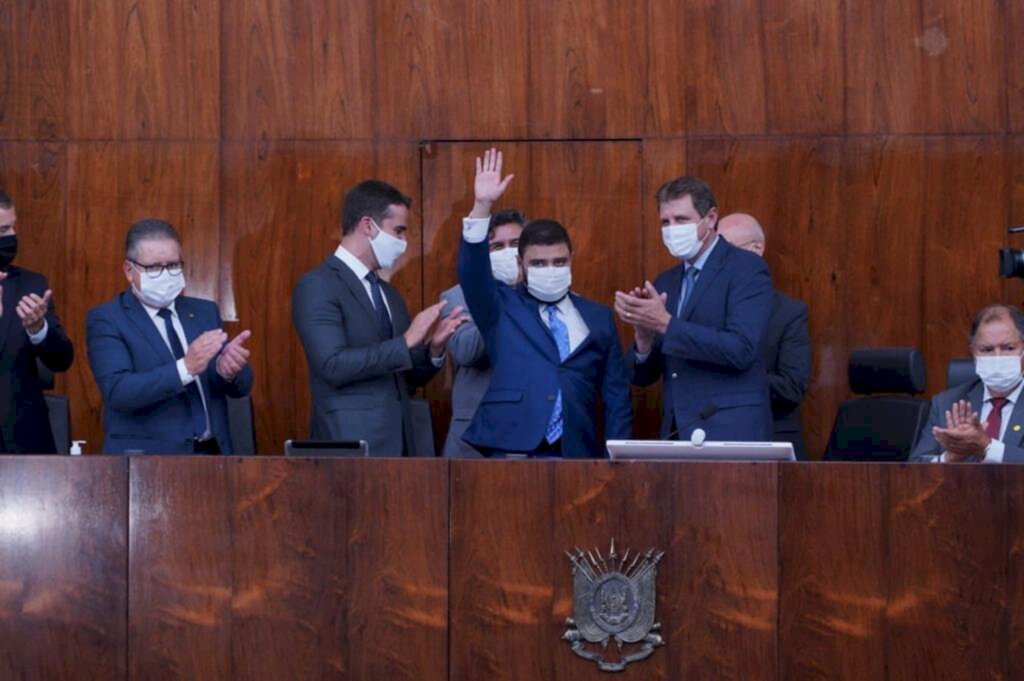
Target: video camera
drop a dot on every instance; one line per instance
(1011, 260)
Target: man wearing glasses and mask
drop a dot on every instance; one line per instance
(162, 362)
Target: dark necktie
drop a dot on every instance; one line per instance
(690, 282)
(383, 318)
(994, 422)
(195, 400)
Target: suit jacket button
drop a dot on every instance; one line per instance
(675, 375)
(551, 398)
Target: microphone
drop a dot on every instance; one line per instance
(706, 412)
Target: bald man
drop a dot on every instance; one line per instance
(787, 343)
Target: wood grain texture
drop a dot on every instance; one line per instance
(1014, 574)
(445, 69)
(281, 208)
(63, 558)
(925, 66)
(298, 70)
(291, 568)
(947, 605)
(144, 70)
(584, 69)
(833, 589)
(1014, 26)
(33, 70)
(110, 186)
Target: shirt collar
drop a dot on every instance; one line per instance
(353, 263)
(154, 311)
(564, 305)
(699, 263)
(1011, 398)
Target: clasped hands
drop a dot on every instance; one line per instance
(233, 356)
(964, 435)
(644, 309)
(31, 309)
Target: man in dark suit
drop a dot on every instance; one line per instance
(701, 324)
(365, 355)
(552, 352)
(786, 350)
(29, 331)
(982, 420)
(466, 346)
(161, 360)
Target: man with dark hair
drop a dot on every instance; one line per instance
(786, 351)
(981, 420)
(365, 355)
(29, 333)
(701, 325)
(552, 352)
(466, 346)
(162, 360)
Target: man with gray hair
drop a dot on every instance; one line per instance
(981, 420)
(786, 349)
(162, 362)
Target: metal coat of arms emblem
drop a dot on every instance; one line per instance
(613, 598)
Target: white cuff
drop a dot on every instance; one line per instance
(474, 230)
(438, 362)
(994, 452)
(641, 357)
(40, 336)
(183, 373)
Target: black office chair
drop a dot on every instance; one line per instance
(960, 372)
(885, 423)
(240, 424)
(58, 408)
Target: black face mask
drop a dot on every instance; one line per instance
(8, 249)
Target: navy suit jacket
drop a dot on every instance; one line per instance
(711, 351)
(24, 418)
(145, 406)
(527, 373)
(787, 355)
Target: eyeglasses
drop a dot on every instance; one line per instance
(153, 271)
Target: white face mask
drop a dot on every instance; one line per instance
(999, 374)
(681, 240)
(386, 248)
(549, 284)
(505, 266)
(159, 291)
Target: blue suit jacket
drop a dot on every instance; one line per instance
(711, 352)
(527, 373)
(145, 406)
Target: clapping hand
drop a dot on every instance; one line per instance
(644, 308)
(234, 356)
(964, 435)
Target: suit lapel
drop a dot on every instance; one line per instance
(11, 295)
(532, 325)
(1014, 433)
(674, 281)
(399, 316)
(706, 276)
(974, 396)
(144, 323)
(187, 317)
(358, 291)
(589, 313)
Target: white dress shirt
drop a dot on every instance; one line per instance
(361, 270)
(183, 373)
(40, 335)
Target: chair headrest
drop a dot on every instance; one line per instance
(960, 372)
(887, 370)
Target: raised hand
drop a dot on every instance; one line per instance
(32, 310)
(421, 324)
(488, 185)
(203, 349)
(234, 356)
(444, 330)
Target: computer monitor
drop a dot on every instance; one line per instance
(315, 448)
(668, 450)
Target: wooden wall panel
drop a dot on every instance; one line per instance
(63, 558)
(272, 566)
(707, 70)
(833, 559)
(793, 187)
(452, 70)
(947, 572)
(925, 66)
(1014, 27)
(299, 70)
(33, 69)
(281, 206)
(585, 67)
(965, 185)
(144, 70)
(1013, 289)
(1015, 575)
(110, 186)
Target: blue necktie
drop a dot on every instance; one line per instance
(561, 333)
(689, 283)
(195, 400)
(383, 318)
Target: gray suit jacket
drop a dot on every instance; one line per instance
(928, 450)
(360, 381)
(472, 376)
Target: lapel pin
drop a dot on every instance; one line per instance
(1016, 429)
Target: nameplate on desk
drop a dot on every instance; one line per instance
(669, 450)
